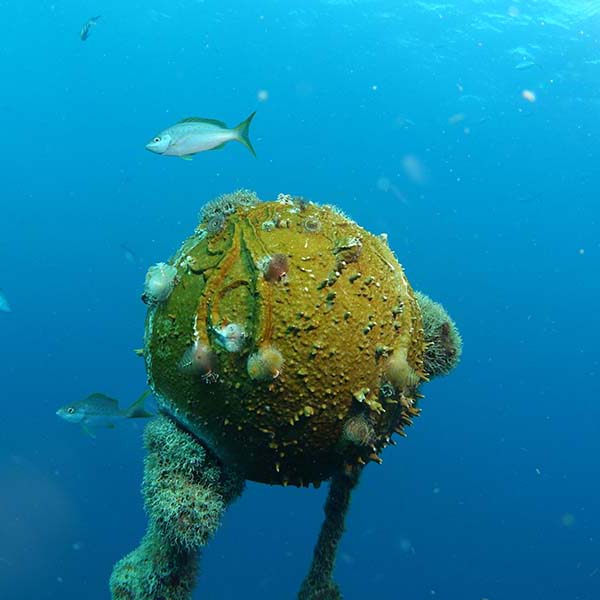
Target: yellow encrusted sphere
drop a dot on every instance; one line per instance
(291, 343)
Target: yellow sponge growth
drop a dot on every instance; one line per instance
(308, 329)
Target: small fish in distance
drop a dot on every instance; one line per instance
(4, 305)
(525, 65)
(84, 34)
(129, 255)
(99, 410)
(193, 135)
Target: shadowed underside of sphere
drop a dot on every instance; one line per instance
(291, 343)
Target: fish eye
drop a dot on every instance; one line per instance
(156, 140)
(70, 410)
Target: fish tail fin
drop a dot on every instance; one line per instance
(243, 133)
(137, 410)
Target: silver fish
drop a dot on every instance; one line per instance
(84, 34)
(4, 305)
(99, 410)
(193, 135)
(130, 256)
(524, 65)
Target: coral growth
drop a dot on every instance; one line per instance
(319, 584)
(444, 344)
(227, 204)
(154, 571)
(186, 491)
(213, 215)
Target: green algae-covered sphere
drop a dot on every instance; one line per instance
(284, 337)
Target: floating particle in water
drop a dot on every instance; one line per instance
(404, 122)
(581, 251)
(568, 520)
(414, 169)
(384, 184)
(456, 118)
(262, 95)
(528, 95)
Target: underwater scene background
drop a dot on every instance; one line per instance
(466, 131)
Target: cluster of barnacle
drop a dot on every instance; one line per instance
(348, 251)
(358, 430)
(232, 336)
(359, 433)
(199, 359)
(159, 283)
(286, 199)
(227, 204)
(296, 204)
(274, 267)
(265, 364)
(337, 211)
(311, 224)
(399, 389)
(214, 214)
(277, 222)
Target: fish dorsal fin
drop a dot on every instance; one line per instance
(103, 398)
(201, 120)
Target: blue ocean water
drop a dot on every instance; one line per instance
(468, 131)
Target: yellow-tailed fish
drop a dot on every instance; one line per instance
(194, 134)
